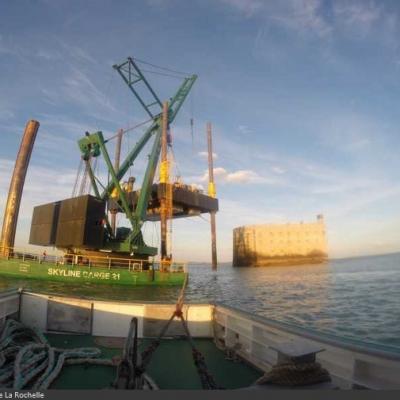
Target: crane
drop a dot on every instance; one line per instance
(94, 145)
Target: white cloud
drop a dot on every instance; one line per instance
(42, 185)
(244, 129)
(350, 132)
(233, 213)
(62, 127)
(197, 186)
(247, 7)
(204, 154)
(6, 114)
(80, 89)
(240, 176)
(303, 16)
(244, 176)
(298, 15)
(360, 18)
(77, 53)
(356, 17)
(49, 55)
(360, 13)
(278, 170)
(9, 47)
(4, 48)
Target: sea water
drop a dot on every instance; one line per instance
(357, 298)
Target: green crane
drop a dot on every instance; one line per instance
(94, 145)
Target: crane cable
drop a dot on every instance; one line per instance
(85, 182)
(160, 67)
(128, 129)
(95, 169)
(192, 118)
(172, 71)
(77, 178)
(161, 73)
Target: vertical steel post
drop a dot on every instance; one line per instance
(212, 193)
(164, 180)
(116, 167)
(16, 187)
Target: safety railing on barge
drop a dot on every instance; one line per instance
(91, 261)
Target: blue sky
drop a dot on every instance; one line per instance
(303, 96)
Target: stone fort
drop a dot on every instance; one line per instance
(280, 244)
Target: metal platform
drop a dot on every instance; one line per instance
(186, 202)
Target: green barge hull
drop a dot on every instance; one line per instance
(32, 269)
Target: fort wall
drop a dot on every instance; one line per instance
(280, 244)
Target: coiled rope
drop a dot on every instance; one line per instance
(295, 374)
(27, 361)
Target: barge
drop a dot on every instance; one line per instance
(75, 268)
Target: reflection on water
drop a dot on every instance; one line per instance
(352, 297)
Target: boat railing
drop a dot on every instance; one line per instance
(10, 301)
(93, 261)
(352, 363)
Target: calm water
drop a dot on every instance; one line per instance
(358, 298)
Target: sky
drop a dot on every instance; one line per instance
(303, 96)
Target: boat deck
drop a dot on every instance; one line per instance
(257, 340)
(171, 366)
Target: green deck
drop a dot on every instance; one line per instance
(32, 269)
(171, 366)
